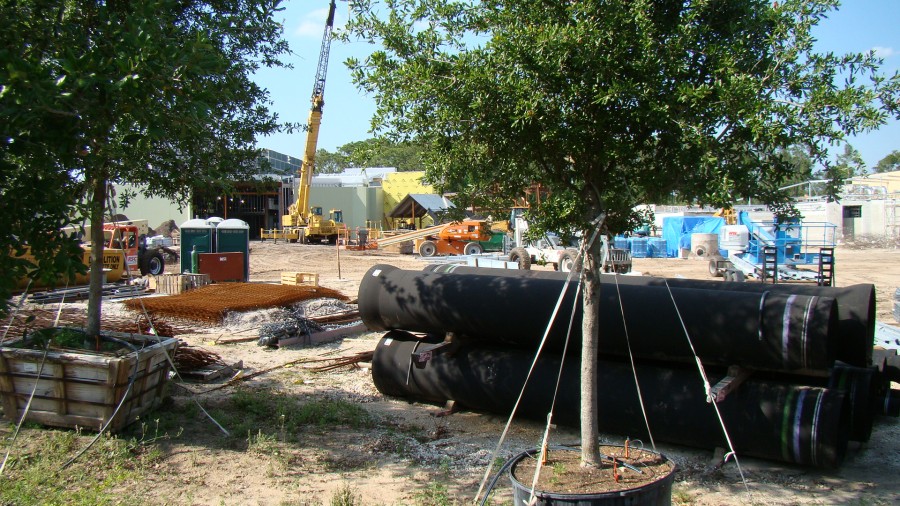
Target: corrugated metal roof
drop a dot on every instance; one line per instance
(420, 204)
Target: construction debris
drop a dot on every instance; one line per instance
(109, 291)
(35, 318)
(296, 326)
(202, 365)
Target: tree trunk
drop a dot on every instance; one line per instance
(95, 299)
(590, 331)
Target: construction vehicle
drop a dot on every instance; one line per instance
(126, 254)
(304, 223)
(467, 237)
(729, 214)
(141, 259)
(545, 250)
(776, 250)
(113, 269)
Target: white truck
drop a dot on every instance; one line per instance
(551, 250)
(546, 250)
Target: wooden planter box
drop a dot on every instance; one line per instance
(83, 388)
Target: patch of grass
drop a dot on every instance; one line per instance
(681, 497)
(34, 474)
(328, 413)
(267, 412)
(557, 469)
(435, 495)
(262, 443)
(345, 496)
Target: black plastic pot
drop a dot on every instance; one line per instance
(656, 493)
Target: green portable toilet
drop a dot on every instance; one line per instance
(233, 235)
(196, 232)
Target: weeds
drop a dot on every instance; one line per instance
(34, 476)
(254, 410)
(345, 496)
(681, 497)
(435, 495)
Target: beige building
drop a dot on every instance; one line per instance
(869, 207)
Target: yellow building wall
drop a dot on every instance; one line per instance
(889, 180)
(397, 185)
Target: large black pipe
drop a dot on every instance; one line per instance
(772, 331)
(855, 303)
(766, 419)
(865, 395)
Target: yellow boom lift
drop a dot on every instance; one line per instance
(305, 223)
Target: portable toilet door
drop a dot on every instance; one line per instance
(196, 232)
(233, 235)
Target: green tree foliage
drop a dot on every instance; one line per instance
(331, 163)
(799, 158)
(404, 156)
(846, 165)
(157, 93)
(889, 163)
(612, 103)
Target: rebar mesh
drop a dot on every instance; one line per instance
(211, 303)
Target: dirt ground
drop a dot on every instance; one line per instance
(400, 467)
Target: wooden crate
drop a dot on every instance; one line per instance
(83, 389)
(173, 284)
(300, 278)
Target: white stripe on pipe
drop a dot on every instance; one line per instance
(762, 303)
(807, 315)
(814, 437)
(786, 329)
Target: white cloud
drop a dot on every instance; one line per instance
(313, 23)
(884, 52)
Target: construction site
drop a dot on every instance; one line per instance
(301, 336)
(745, 359)
(341, 336)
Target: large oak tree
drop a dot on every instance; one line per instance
(610, 104)
(155, 93)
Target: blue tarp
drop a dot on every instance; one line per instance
(677, 231)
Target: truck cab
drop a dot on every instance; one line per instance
(138, 258)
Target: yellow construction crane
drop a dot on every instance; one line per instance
(305, 223)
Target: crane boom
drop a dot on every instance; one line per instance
(299, 212)
(315, 118)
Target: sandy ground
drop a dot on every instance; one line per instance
(398, 466)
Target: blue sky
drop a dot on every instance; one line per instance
(859, 25)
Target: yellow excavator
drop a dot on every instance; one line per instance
(304, 223)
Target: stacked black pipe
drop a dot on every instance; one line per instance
(498, 318)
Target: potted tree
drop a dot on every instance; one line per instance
(613, 104)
